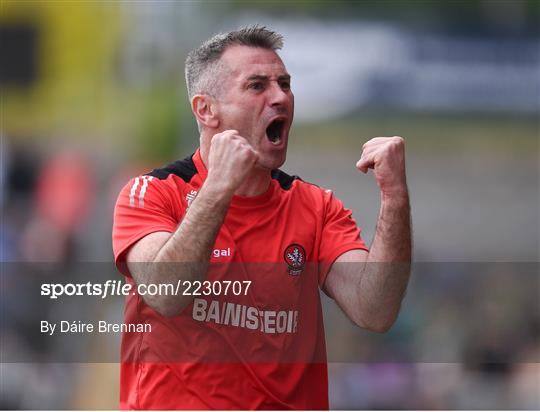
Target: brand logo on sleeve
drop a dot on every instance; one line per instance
(190, 197)
(295, 256)
(140, 184)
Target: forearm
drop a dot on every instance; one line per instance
(387, 270)
(392, 241)
(186, 254)
(195, 236)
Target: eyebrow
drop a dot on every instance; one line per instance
(265, 78)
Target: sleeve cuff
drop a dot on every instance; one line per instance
(326, 265)
(120, 256)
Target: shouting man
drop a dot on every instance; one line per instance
(249, 246)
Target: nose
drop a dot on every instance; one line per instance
(279, 96)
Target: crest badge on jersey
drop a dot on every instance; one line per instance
(295, 256)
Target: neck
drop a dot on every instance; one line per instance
(256, 182)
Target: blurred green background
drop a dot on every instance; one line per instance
(92, 93)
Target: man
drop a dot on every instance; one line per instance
(228, 214)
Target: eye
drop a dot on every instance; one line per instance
(256, 86)
(285, 85)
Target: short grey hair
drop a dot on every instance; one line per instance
(203, 64)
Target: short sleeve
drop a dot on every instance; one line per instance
(340, 234)
(142, 208)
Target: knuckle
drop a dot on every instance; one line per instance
(226, 135)
(220, 137)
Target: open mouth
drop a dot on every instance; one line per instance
(273, 131)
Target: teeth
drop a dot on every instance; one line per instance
(276, 142)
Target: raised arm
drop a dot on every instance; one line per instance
(369, 287)
(157, 258)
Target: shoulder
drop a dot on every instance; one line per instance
(164, 184)
(170, 176)
(285, 180)
(181, 169)
(307, 192)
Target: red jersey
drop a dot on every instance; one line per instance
(263, 348)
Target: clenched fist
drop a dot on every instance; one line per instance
(386, 156)
(230, 160)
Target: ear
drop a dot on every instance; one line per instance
(203, 107)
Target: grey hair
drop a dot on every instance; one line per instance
(203, 64)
